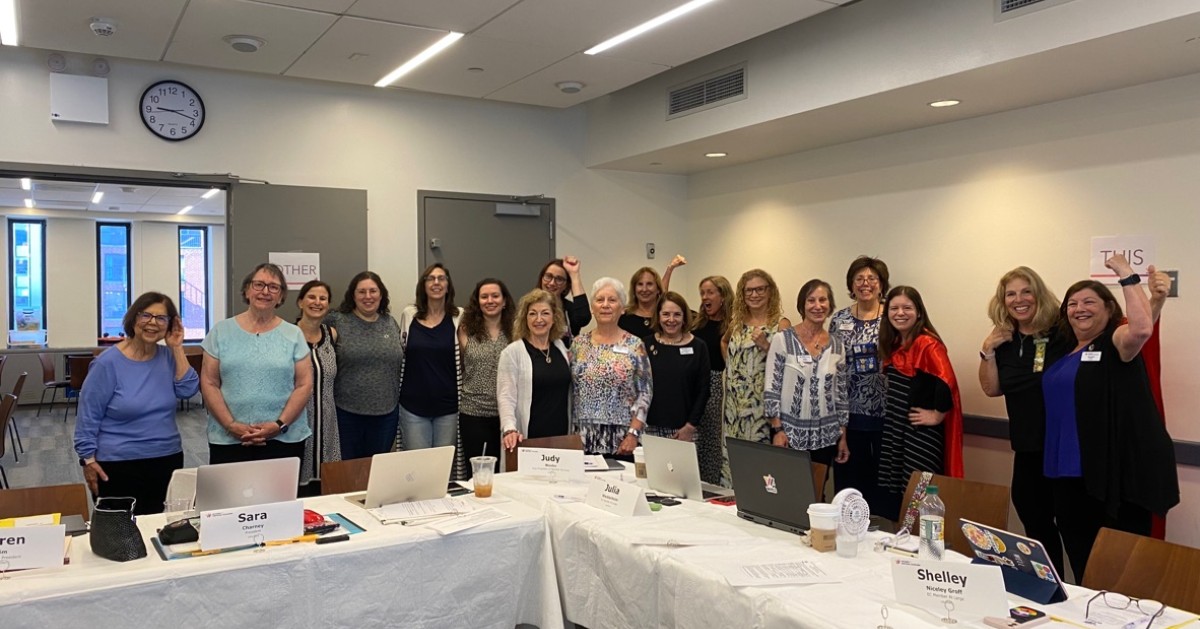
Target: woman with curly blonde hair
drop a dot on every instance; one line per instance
(716, 306)
(757, 314)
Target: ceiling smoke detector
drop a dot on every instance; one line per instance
(244, 43)
(103, 27)
(569, 87)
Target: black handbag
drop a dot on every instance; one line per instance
(115, 534)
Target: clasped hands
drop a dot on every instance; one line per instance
(254, 434)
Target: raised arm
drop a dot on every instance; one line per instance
(675, 263)
(1139, 321)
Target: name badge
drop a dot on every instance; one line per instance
(1090, 357)
(23, 547)
(806, 360)
(686, 351)
(550, 463)
(964, 591)
(846, 326)
(620, 349)
(249, 526)
(617, 498)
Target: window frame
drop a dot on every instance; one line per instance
(207, 253)
(100, 270)
(12, 322)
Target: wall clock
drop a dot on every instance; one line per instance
(172, 110)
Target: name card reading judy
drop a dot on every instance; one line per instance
(967, 591)
(551, 463)
(617, 498)
(245, 526)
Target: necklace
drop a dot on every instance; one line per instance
(545, 352)
(1021, 344)
(857, 312)
(667, 341)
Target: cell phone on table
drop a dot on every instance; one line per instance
(454, 489)
(1018, 617)
(727, 501)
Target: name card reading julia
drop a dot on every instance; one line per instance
(23, 547)
(965, 591)
(551, 463)
(244, 526)
(617, 498)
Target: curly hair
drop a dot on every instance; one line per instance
(520, 329)
(741, 311)
(1047, 314)
(473, 321)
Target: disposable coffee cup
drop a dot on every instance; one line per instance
(482, 470)
(822, 521)
(639, 463)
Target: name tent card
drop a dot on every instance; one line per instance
(23, 547)
(551, 463)
(962, 591)
(255, 525)
(617, 498)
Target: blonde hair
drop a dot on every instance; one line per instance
(1047, 304)
(726, 292)
(741, 311)
(632, 304)
(538, 296)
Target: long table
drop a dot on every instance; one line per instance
(497, 575)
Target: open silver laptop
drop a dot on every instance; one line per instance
(672, 468)
(229, 485)
(406, 476)
(773, 485)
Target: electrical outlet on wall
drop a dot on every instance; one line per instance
(649, 251)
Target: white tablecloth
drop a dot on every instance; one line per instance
(496, 575)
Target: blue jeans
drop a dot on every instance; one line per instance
(366, 435)
(428, 432)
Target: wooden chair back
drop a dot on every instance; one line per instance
(48, 371)
(341, 477)
(64, 499)
(3, 361)
(981, 502)
(1144, 567)
(79, 370)
(7, 405)
(820, 473)
(20, 385)
(560, 442)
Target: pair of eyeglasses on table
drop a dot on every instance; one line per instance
(1113, 600)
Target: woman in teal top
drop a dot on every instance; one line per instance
(256, 377)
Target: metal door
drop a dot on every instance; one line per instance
(478, 236)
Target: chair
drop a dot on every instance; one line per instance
(50, 381)
(981, 502)
(64, 499)
(195, 358)
(561, 442)
(79, 365)
(341, 477)
(14, 432)
(820, 473)
(7, 405)
(1144, 567)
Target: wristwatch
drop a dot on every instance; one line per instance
(85, 462)
(637, 434)
(1133, 280)
(775, 430)
(282, 426)
(983, 356)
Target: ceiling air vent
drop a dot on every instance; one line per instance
(1013, 8)
(719, 88)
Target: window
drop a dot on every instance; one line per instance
(193, 282)
(113, 276)
(27, 282)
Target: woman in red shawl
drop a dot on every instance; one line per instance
(923, 419)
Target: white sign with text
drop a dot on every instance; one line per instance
(617, 498)
(551, 463)
(23, 547)
(245, 526)
(1139, 250)
(298, 267)
(963, 591)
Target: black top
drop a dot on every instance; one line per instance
(636, 325)
(710, 333)
(1021, 384)
(578, 312)
(430, 387)
(680, 383)
(549, 409)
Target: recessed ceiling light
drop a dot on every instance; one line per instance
(422, 57)
(28, 202)
(210, 193)
(718, 154)
(185, 210)
(96, 197)
(950, 102)
(244, 43)
(8, 22)
(26, 183)
(646, 26)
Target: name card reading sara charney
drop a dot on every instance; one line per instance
(247, 526)
(963, 591)
(551, 463)
(617, 498)
(24, 547)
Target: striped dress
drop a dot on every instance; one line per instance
(323, 446)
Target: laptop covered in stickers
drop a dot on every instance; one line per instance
(1028, 571)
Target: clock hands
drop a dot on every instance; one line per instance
(177, 111)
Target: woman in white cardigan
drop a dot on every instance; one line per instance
(533, 384)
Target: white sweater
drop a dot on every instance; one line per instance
(514, 385)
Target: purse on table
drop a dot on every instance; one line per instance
(115, 535)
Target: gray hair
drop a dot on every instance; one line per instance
(613, 283)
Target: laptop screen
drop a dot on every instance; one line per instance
(773, 485)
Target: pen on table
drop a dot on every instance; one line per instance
(303, 538)
(423, 519)
(1069, 622)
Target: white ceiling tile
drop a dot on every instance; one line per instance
(287, 33)
(463, 16)
(362, 51)
(502, 63)
(574, 24)
(601, 75)
(328, 6)
(143, 28)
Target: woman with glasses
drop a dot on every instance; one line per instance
(533, 383)
(639, 314)
(857, 327)
(257, 377)
(486, 323)
(126, 436)
(756, 316)
(429, 383)
(369, 360)
(716, 304)
(313, 301)
(561, 278)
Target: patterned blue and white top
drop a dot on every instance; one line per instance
(868, 388)
(809, 393)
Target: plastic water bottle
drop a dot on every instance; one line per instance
(932, 526)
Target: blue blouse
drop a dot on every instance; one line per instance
(1061, 458)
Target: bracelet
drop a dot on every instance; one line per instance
(508, 432)
(983, 356)
(775, 430)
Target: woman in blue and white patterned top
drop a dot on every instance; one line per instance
(806, 398)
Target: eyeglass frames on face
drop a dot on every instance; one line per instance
(551, 278)
(146, 317)
(865, 281)
(756, 290)
(437, 279)
(269, 287)
(1113, 600)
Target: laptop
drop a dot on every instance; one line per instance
(773, 485)
(248, 483)
(672, 468)
(405, 477)
(1027, 569)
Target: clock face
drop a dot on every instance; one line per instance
(172, 111)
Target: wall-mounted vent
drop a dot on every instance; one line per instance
(714, 90)
(1006, 9)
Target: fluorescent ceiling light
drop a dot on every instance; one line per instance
(424, 56)
(29, 203)
(642, 28)
(185, 210)
(96, 197)
(210, 193)
(949, 102)
(8, 22)
(26, 183)
(716, 154)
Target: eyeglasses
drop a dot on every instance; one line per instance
(551, 278)
(437, 279)
(145, 317)
(864, 281)
(756, 290)
(270, 288)
(1113, 600)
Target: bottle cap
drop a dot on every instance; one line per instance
(931, 490)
